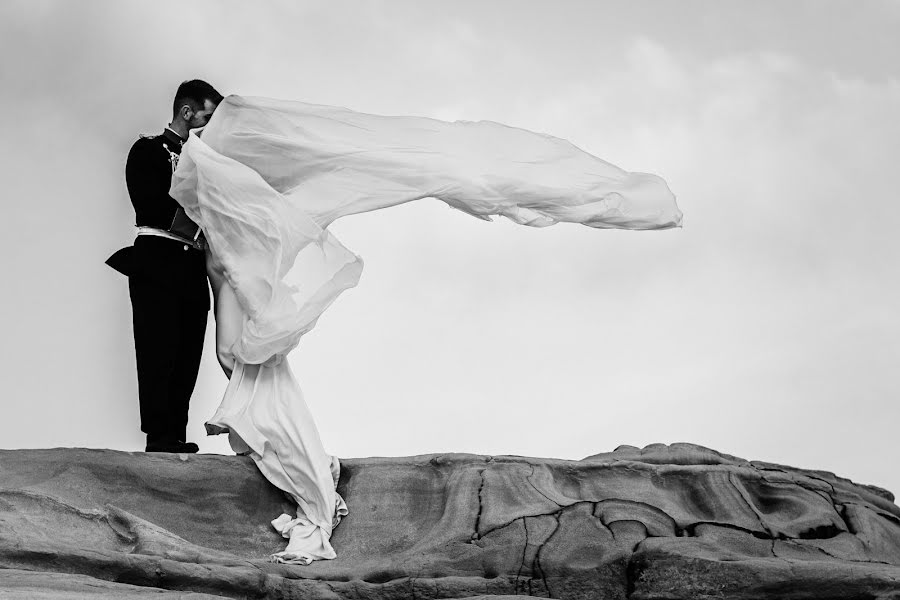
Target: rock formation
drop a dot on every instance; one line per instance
(663, 522)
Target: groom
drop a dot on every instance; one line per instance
(166, 275)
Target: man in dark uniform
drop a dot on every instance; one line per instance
(166, 276)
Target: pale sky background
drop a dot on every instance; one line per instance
(767, 327)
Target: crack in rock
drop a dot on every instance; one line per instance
(476, 535)
(742, 492)
(538, 490)
(524, 554)
(537, 568)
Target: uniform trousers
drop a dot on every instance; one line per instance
(170, 303)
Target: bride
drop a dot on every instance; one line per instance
(265, 178)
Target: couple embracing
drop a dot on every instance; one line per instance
(243, 190)
(168, 267)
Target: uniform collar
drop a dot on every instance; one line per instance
(172, 136)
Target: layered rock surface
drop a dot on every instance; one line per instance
(663, 522)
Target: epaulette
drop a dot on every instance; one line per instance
(147, 136)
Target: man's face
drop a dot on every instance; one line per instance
(201, 117)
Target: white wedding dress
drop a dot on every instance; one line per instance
(265, 416)
(266, 178)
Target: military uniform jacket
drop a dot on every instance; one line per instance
(148, 175)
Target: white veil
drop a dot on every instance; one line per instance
(267, 177)
(265, 180)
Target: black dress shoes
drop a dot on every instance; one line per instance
(169, 445)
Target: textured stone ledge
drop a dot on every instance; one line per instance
(663, 522)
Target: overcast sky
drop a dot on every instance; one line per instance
(767, 327)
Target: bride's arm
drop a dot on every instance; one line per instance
(227, 311)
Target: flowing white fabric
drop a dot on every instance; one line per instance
(265, 415)
(266, 179)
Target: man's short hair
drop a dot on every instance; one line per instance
(194, 93)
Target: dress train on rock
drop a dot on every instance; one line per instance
(266, 417)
